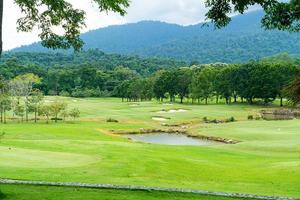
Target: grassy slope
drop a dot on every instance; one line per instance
(265, 162)
(19, 192)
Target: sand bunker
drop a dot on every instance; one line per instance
(168, 104)
(172, 111)
(160, 119)
(134, 105)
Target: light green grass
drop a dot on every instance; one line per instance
(267, 161)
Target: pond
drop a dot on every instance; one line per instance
(169, 139)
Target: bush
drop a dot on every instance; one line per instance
(56, 119)
(257, 118)
(64, 94)
(231, 119)
(52, 93)
(2, 196)
(250, 117)
(214, 121)
(205, 119)
(83, 93)
(112, 120)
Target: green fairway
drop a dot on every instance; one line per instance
(21, 192)
(265, 162)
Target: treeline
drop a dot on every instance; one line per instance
(20, 99)
(257, 80)
(249, 82)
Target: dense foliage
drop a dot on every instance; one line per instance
(18, 62)
(95, 74)
(282, 15)
(242, 40)
(135, 79)
(51, 14)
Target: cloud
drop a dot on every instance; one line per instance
(173, 11)
(182, 12)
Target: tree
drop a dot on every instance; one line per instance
(56, 108)
(45, 111)
(23, 85)
(5, 101)
(223, 85)
(292, 91)
(158, 86)
(35, 102)
(202, 83)
(184, 76)
(46, 15)
(75, 113)
(282, 15)
(19, 111)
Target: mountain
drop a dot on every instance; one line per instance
(242, 40)
(15, 63)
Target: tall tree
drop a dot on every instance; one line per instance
(184, 76)
(202, 84)
(24, 86)
(292, 91)
(282, 15)
(48, 14)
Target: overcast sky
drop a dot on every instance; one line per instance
(183, 12)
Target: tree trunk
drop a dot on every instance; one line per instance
(205, 101)
(35, 116)
(217, 100)
(281, 101)
(181, 100)
(1, 21)
(1, 115)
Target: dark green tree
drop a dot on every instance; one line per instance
(184, 77)
(292, 92)
(282, 15)
(58, 13)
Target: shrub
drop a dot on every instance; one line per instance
(112, 120)
(2, 196)
(205, 119)
(56, 119)
(257, 118)
(231, 119)
(214, 121)
(64, 94)
(83, 93)
(250, 117)
(52, 93)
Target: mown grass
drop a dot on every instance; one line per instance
(22, 192)
(266, 161)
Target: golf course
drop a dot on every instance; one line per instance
(264, 158)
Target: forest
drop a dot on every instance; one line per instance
(138, 79)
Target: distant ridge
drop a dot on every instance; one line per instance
(242, 40)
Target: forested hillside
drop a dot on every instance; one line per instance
(94, 58)
(242, 40)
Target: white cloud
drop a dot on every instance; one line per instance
(183, 12)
